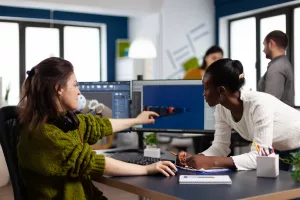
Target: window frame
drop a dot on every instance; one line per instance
(289, 12)
(46, 24)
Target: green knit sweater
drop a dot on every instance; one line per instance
(58, 165)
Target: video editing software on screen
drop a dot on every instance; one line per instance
(114, 95)
(180, 104)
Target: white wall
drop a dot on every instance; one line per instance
(179, 18)
(169, 31)
(146, 27)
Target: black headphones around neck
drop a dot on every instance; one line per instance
(68, 122)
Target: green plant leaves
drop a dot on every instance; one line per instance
(151, 139)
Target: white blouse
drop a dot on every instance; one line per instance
(266, 120)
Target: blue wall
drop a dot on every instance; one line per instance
(229, 7)
(117, 27)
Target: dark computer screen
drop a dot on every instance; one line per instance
(180, 104)
(114, 95)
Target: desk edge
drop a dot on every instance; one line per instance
(134, 189)
(287, 194)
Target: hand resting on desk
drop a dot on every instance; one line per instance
(200, 161)
(115, 167)
(167, 168)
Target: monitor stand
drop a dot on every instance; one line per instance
(140, 141)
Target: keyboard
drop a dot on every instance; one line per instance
(134, 159)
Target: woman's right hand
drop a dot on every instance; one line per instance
(182, 157)
(165, 167)
(146, 117)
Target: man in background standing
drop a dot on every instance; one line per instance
(279, 78)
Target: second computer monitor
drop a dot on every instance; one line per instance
(114, 95)
(180, 104)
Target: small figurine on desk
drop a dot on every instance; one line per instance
(151, 149)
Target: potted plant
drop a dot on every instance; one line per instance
(150, 140)
(151, 149)
(295, 161)
(4, 102)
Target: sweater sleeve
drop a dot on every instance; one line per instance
(221, 143)
(275, 80)
(262, 116)
(55, 153)
(93, 127)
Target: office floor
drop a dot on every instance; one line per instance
(6, 193)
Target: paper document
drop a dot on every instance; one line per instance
(213, 170)
(204, 179)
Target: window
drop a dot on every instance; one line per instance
(243, 48)
(9, 68)
(41, 43)
(266, 26)
(82, 47)
(25, 44)
(246, 36)
(297, 52)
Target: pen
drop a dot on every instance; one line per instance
(261, 151)
(175, 154)
(265, 152)
(270, 150)
(256, 146)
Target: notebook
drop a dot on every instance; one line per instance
(204, 179)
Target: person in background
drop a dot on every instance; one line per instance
(256, 116)
(213, 54)
(54, 153)
(279, 78)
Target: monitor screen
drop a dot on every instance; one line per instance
(180, 104)
(114, 96)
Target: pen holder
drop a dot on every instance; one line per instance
(267, 166)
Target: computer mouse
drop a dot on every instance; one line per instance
(174, 171)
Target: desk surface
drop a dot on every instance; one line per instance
(244, 184)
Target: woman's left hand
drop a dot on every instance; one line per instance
(164, 167)
(146, 117)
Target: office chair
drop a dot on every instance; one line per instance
(9, 134)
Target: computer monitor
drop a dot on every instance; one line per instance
(114, 95)
(180, 104)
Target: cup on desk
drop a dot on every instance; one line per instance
(268, 166)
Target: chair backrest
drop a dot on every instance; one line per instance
(9, 135)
